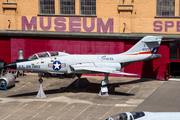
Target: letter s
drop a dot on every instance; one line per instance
(158, 28)
(59, 21)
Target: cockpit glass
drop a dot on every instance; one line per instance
(131, 118)
(122, 116)
(137, 114)
(43, 54)
(109, 118)
(33, 57)
(54, 53)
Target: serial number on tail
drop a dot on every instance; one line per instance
(146, 49)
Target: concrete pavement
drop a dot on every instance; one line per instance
(66, 102)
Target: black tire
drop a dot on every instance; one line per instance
(40, 80)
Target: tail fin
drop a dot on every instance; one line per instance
(147, 45)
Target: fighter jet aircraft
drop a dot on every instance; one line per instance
(146, 116)
(64, 63)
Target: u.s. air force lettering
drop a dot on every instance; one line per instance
(29, 66)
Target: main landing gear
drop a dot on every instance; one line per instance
(41, 93)
(79, 83)
(104, 89)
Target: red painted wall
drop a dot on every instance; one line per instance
(32, 46)
(5, 50)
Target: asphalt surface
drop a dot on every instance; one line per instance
(66, 102)
(165, 99)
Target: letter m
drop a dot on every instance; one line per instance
(33, 23)
(109, 24)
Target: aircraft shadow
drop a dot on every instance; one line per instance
(141, 80)
(89, 87)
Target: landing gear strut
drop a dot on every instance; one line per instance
(41, 93)
(79, 82)
(104, 89)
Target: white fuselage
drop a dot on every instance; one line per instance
(161, 116)
(146, 116)
(61, 62)
(45, 64)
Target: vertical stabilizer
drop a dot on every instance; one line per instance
(147, 45)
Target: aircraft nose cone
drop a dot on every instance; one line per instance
(11, 65)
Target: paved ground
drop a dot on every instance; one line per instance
(65, 102)
(165, 99)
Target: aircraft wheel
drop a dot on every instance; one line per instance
(40, 80)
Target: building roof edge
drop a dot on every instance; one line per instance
(54, 34)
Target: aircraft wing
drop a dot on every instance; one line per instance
(99, 69)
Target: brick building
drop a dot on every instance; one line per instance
(92, 27)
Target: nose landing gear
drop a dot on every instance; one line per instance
(41, 93)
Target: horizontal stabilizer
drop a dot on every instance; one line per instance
(153, 41)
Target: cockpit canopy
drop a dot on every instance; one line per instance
(137, 114)
(124, 116)
(47, 54)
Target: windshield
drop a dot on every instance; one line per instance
(53, 53)
(109, 118)
(137, 114)
(43, 54)
(122, 116)
(33, 57)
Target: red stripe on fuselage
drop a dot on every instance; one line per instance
(146, 52)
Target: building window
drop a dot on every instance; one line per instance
(67, 6)
(165, 7)
(88, 7)
(47, 7)
(174, 50)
